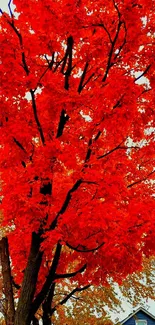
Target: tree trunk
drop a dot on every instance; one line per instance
(35, 321)
(48, 282)
(23, 314)
(7, 282)
(47, 306)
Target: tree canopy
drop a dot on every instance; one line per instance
(77, 145)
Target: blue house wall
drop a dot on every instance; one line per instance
(140, 315)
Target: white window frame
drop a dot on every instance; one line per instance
(137, 322)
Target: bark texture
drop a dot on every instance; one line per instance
(47, 317)
(7, 282)
(23, 313)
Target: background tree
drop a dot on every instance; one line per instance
(97, 303)
(77, 143)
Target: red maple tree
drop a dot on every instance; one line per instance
(76, 143)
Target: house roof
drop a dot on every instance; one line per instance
(135, 312)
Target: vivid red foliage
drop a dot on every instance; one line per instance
(77, 134)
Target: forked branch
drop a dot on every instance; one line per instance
(68, 297)
(82, 82)
(113, 43)
(48, 282)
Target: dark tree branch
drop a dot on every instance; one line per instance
(49, 67)
(23, 310)
(49, 280)
(50, 63)
(106, 30)
(145, 91)
(7, 281)
(63, 119)
(90, 77)
(116, 148)
(93, 234)
(46, 306)
(118, 103)
(98, 135)
(34, 107)
(23, 163)
(145, 71)
(82, 84)
(112, 150)
(141, 180)
(72, 274)
(102, 26)
(88, 151)
(57, 64)
(113, 42)
(25, 66)
(131, 229)
(69, 67)
(19, 144)
(124, 41)
(68, 55)
(116, 7)
(69, 196)
(66, 203)
(69, 296)
(82, 78)
(84, 248)
(109, 63)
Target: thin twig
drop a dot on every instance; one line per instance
(141, 180)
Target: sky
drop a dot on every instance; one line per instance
(147, 304)
(4, 5)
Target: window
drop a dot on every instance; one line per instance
(141, 322)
